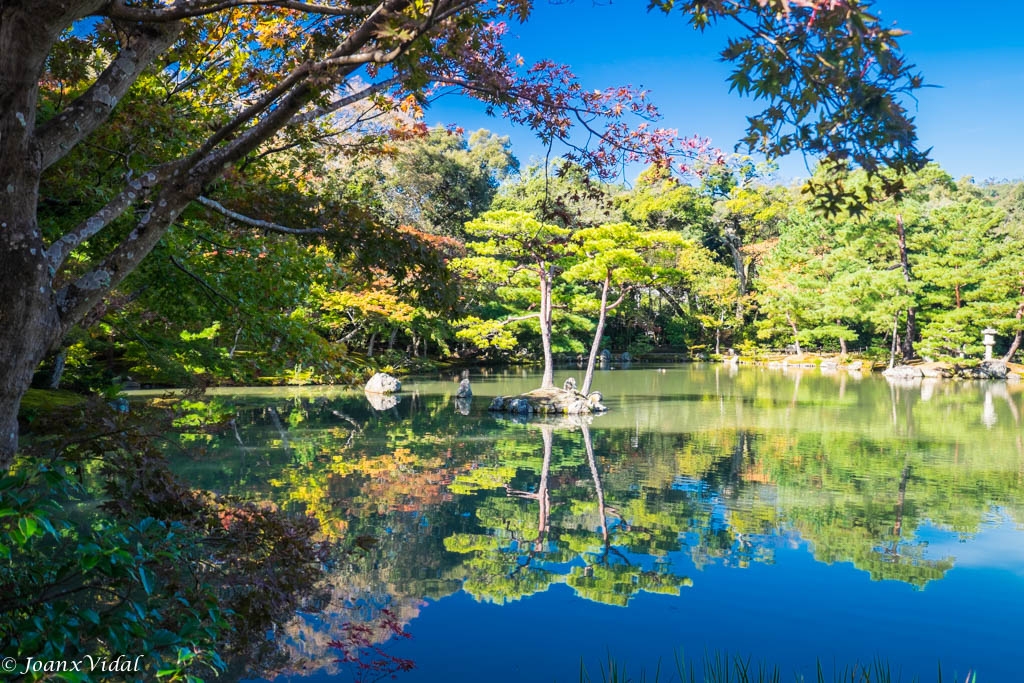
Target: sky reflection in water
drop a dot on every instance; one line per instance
(784, 516)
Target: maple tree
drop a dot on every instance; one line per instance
(266, 74)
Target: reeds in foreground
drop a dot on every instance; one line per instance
(723, 668)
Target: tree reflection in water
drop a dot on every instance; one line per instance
(427, 502)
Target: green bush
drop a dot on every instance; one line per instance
(106, 553)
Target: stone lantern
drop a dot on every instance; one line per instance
(989, 340)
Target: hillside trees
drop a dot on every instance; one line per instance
(961, 277)
(436, 181)
(744, 224)
(265, 73)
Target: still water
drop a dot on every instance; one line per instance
(787, 517)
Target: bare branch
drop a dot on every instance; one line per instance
(519, 318)
(365, 57)
(256, 222)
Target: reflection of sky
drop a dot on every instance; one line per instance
(999, 547)
(786, 614)
(785, 607)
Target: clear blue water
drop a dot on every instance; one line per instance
(783, 517)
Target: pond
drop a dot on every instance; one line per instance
(788, 517)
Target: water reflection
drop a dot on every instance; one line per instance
(692, 469)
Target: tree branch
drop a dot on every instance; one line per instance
(256, 222)
(672, 300)
(57, 136)
(622, 297)
(343, 102)
(200, 168)
(295, 89)
(196, 8)
(519, 318)
(205, 285)
(59, 251)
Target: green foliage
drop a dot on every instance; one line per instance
(443, 180)
(106, 553)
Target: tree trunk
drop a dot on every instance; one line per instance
(391, 339)
(234, 345)
(796, 334)
(735, 244)
(908, 336)
(34, 317)
(542, 489)
(29, 326)
(895, 341)
(369, 346)
(588, 378)
(58, 368)
(911, 331)
(1015, 344)
(548, 380)
(901, 498)
(842, 346)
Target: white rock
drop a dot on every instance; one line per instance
(383, 383)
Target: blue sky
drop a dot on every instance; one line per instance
(974, 51)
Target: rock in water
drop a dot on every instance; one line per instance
(497, 403)
(569, 384)
(992, 369)
(383, 383)
(903, 372)
(606, 356)
(579, 406)
(520, 406)
(464, 391)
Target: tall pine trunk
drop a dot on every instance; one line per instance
(548, 380)
(588, 378)
(796, 333)
(598, 489)
(911, 329)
